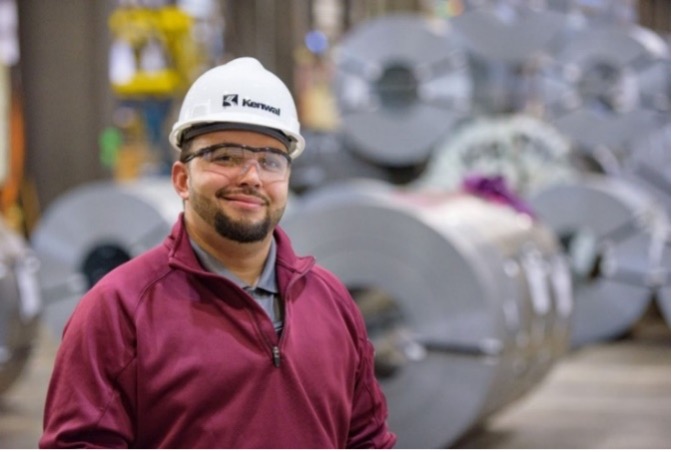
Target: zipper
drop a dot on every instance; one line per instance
(276, 350)
(276, 356)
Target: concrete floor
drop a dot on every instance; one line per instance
(610, 396)
(603, 396)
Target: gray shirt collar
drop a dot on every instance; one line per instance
(267, 280)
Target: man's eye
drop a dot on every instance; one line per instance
(270, 163)
(223, 158)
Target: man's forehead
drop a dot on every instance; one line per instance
(246, 137)
(207, 129)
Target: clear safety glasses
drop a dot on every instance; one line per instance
(234, 159)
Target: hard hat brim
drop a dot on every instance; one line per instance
(297, 145)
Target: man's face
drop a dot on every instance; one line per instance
(240, 203)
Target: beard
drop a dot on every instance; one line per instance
(242, 231)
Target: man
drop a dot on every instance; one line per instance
(220, 337)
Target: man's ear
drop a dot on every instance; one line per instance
(180, 178)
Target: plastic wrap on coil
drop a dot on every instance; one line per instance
(526, 151)
(615, 235)
(467, 302)
(20, 305)
(93, 228)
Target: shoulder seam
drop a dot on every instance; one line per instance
(133, 357)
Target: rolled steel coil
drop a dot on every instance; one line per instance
(648, 163)
(614, 235)
(93, 228)
(606, 84)
(400, 84)
(505, 31)
(503, 41)
(526, 151)
(20, 305)
(663, 292)
(467, 302)
(329, 160)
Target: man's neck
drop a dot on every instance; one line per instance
(245, 260)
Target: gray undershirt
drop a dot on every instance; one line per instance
(264, 292)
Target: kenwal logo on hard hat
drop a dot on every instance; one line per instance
(230, 100)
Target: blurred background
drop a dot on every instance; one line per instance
(490, 179)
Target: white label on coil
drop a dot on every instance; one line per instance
(28, 291)
(533, 265)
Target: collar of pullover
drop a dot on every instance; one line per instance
(182, 255)
(267, 280)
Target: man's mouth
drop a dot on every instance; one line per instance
(244, 201)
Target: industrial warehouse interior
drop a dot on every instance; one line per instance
(490, 180)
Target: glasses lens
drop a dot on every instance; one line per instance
(272, 164)
(230, 156)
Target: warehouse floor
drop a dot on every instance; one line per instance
(613, 395)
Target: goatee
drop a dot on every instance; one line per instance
(241, 232)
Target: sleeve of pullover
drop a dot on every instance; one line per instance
(368, 426)
(90, 396)
(369, 416)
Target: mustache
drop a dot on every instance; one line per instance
(248, 191)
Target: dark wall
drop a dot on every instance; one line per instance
(655, 14)
(269, 30)
(64, 70)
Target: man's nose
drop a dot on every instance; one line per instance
(250, 173)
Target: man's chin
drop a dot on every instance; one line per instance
(243, 231)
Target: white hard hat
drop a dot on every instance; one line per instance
(240, 92)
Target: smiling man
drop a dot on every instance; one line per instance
(221, 337)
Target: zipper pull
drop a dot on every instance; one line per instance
(276, 356)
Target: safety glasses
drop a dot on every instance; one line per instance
(233, 159)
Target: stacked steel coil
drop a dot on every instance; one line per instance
(20, 305)
(466, 301)
(92, 229)
(615, 235)
(400, 85)
(469, 303)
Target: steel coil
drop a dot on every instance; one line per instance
(648, 163)
(20, 305)
(511, 32)
(92, 229)
(467, 302)
(526, 151)
(607, 84)
(663, 300)
(327, 160)
(614, 234)
(400, 84)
